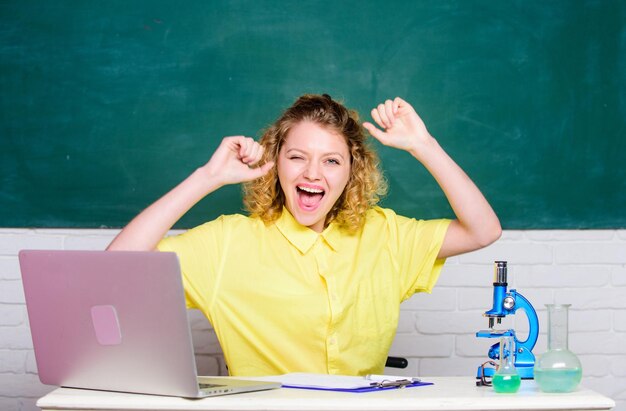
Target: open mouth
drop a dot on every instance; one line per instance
(309, 197)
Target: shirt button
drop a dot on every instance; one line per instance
(333, 341)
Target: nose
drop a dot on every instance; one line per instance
(312, 171)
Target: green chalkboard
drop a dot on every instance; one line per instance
(105, 105)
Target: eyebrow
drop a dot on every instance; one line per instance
(332, 153)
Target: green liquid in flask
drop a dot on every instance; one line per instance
(506, 383)
(558, 379)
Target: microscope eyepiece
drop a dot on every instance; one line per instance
(500, 273)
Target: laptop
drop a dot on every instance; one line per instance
(115, 321)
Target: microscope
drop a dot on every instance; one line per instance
(507, 303)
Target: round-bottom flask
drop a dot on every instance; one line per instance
(506, 379)
(558, 369)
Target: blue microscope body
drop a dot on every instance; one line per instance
(507, 303)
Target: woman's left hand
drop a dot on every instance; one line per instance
(402, 127)
(476, 225)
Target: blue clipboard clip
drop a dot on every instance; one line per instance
(388, 381)
(344, 383)
(391, 383)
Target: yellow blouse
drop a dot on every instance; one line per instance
(284, 298)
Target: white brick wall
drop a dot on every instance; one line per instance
(586, 268)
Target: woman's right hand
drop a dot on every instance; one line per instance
(236, 160)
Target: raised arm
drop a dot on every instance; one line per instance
(233, 162)
(476, 223)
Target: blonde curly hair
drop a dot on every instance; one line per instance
(264, 197)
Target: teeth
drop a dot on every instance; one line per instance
(311, 190)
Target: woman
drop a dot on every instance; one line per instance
(313, 279)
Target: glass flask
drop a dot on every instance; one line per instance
(558, 369)
(506, 379)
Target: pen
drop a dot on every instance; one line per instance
(380, 378)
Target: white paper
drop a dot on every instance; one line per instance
(310, 380)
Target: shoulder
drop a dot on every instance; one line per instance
(380, 223)
(215, 234)
(223, 225)
(377, 213)
(231, 222)
(378, 218)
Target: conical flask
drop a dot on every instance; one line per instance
(506, 379)
(558, 369)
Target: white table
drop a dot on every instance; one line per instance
(447, 393)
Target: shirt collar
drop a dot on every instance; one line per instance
(303, 237)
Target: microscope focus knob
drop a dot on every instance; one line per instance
(508, 303)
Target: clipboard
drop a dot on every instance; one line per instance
(344, 383)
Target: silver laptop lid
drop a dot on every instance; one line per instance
(110, 321)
